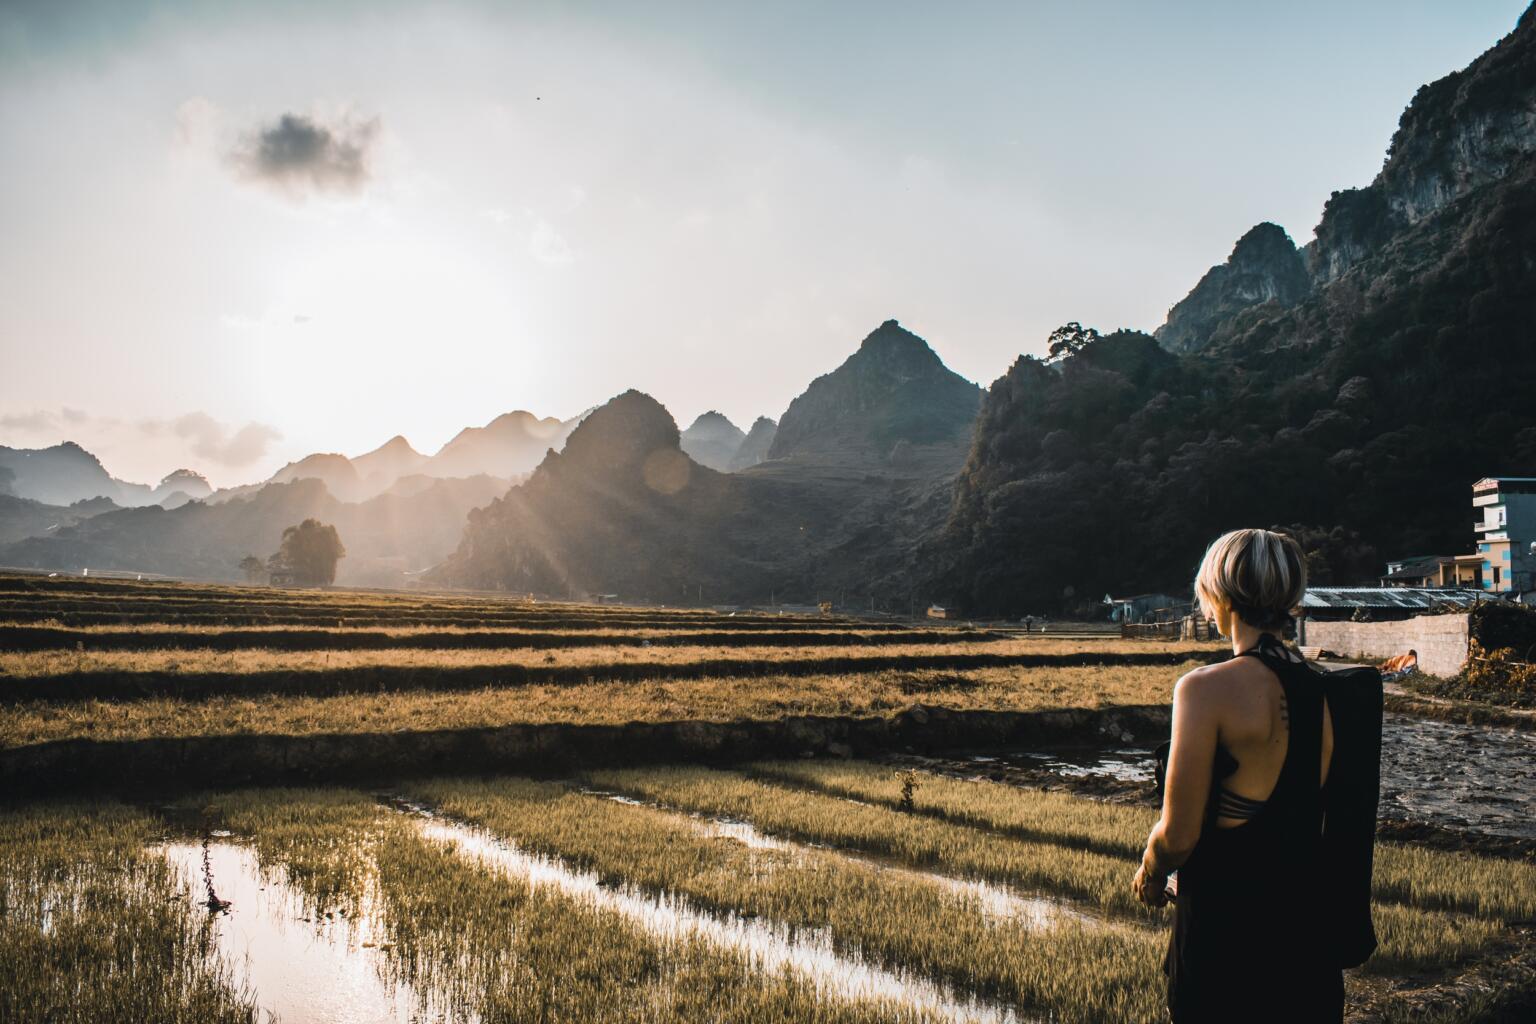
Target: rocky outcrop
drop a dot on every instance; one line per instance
(622, 509)
(713, 441)
(1468, 130)
(893, 388)
(754, 448)
(1265, 266)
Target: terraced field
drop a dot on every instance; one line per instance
(485, 829)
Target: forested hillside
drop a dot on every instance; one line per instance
(1361, 409)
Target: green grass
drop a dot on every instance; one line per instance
(95, 926)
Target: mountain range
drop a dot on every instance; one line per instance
(1348, 390)
(630, 505)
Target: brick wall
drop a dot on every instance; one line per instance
(1441, 640)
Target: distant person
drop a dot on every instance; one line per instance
(1029, 623)
(1401, 665)
(1272, 895)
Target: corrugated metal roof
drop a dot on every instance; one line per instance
(1389, 597)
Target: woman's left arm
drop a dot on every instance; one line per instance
(1191, 755)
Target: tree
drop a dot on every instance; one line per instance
(309, 552)
(1069, 339)
(254, 568)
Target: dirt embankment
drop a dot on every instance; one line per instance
(196, 762)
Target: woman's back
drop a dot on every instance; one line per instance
(1254, 726)
(1245, 943)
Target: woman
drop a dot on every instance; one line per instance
(1269, 904)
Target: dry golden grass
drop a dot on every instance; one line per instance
(706, 699)
(63, 663)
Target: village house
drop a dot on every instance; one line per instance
(1506, 537)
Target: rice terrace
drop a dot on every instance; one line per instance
(342, 805)
(526, 512)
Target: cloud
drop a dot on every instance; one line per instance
(145, 449)
(547, 245)
(214, 441)
(299, 155)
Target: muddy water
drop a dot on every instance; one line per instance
(1466, 777)
(772, 947)
(1479, 778)
(300, 971)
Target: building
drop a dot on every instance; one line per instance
(1436, 571)
(1506, 536)
(1375, 623)
(1141, 608)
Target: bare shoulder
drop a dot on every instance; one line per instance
(1211, 685)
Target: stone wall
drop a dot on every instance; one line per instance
(1441, 640)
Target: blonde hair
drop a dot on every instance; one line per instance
(1258, 574)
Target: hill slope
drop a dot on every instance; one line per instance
(1361, 409)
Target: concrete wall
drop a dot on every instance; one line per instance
(1441, 640)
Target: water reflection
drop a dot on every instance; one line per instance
(772, 947)
(301, 967)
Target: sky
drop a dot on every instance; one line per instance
(232, 234)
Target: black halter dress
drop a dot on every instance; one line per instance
(1269, 911)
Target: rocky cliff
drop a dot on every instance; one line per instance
(1265, 267)
(893, 389)
(1470, 129)
(1358, 415)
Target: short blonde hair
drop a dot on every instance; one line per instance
(1260, 575)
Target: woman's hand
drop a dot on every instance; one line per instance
(1150, 887)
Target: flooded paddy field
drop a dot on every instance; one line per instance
(774, 891)
(417, 870)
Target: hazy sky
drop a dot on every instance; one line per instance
(234, 234)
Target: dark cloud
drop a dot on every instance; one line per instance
(299, 155)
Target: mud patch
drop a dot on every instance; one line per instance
(1477, 780)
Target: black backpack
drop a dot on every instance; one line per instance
(1349, 810)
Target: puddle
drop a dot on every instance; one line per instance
(1466, 777)
(1131, 764)
(772, 947)
(995, 902)
(300, 972)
